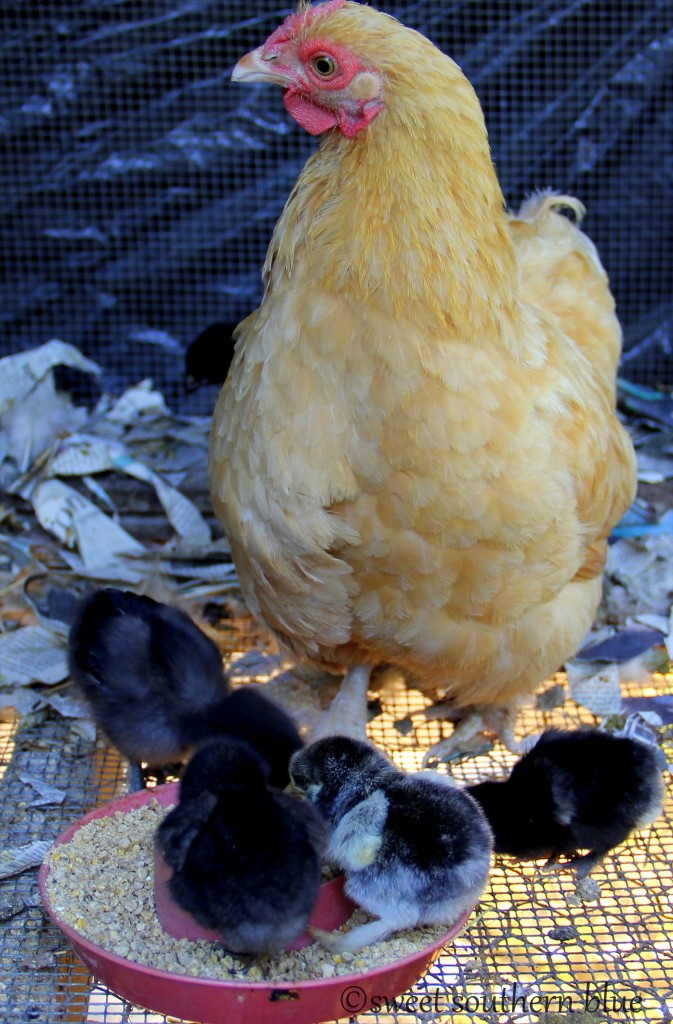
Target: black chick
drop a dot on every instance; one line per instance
(208, 357)
(157, 687)
(248, 715)
(580, 790)
(245, 857)
(151, 676)
(416, 849)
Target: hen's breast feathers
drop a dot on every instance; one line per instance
(416, 452)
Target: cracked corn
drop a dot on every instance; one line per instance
(101, 883)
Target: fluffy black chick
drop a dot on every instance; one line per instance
(248, 715)
(415, 849)
(208, 357)
(245, 857)
(150, 675)
(157, 687)
(579, 790)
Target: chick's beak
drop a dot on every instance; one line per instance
(255, 67)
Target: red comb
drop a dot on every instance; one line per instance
(294, 22)
(325, 8)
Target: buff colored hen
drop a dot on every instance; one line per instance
(416, 456)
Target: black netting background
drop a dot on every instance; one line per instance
(139, 187)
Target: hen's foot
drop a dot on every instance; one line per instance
(464, 740)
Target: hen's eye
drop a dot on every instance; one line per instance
(324, 65)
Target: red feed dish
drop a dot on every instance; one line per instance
(209, 1001)
(332, 909)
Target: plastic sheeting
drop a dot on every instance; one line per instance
(139, 187)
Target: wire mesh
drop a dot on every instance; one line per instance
(533, 947)
(139, 187)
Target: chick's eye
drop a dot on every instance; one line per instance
(324, 65)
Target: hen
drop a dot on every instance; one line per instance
(416, 456)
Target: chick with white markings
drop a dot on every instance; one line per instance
(579, 790)
(156, 685)
(415, 850)
(245, 857)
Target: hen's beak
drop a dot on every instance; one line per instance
(254, 67)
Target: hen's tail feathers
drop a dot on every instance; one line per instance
(548, 201)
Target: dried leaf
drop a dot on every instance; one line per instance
(23, 701)
(21, 858)
(82, 454)
(139, 400)
(596, 686)
(76, 521)
(46, 794)
(21, 372)
(10, 907)
(68, 705)
(181, 513)
(32, 654)
(28, 435)
(40, 962)
(623, 646)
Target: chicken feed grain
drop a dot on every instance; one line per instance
(101, 883)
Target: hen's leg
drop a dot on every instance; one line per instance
(498, 721)
(347, 714)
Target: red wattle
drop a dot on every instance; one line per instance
(310, 116)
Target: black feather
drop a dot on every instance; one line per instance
(579, 790)
(208, 357)
(157, 687)
(415, 848)
(250, 866)
(150, 675)
(248, 714)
